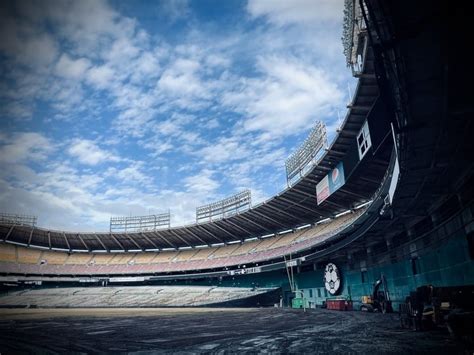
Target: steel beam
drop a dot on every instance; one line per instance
(83, 242)
(149, 241)
(30, 237)
(255, 223)
(117, 241)
(305, 207)
(100, 241)
(279, 210)
(239, 227)
(134, 241)
(10, 232)
(67, 241)
(155, 233)
(196, 236)
(224, 230)
(211, 234)
(270, 219)
(179, 237)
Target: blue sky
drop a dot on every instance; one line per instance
(135, 107)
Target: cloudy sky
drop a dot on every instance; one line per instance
(136, 107)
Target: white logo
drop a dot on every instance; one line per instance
(332, 278)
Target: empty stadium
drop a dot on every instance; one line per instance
(402, 218)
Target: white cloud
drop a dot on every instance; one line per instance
(174, 9)
(181, 79)
(72, 68)
(290, 97)
(225, 150)
(25, 45)
(282, 12)
(25, 146)
(201, 183)
(87, 152)
(131, 175)
(147, 66)
(101, 76)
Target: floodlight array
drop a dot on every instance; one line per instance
(316, 140)
(353, 27)
(18, 219)
(227, 207)
(140, 223)
(347, 30)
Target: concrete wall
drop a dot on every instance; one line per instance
(447, 264)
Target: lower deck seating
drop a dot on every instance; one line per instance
(136, 296)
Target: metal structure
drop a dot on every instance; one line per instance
(18, 219)
(227, 207)
(310, 148)
(353, 37)
(140, 223)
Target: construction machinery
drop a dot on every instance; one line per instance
(430, 307)
(379, 301)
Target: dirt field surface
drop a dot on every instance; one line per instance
(212, 330)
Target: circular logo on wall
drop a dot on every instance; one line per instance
(332, 278)
(335, 174)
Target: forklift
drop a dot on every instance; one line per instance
(379, 301)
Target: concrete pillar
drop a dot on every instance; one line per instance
(369, 255)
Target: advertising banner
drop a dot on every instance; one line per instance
(322, 190)
(330, 183)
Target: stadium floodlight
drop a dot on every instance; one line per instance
(229, 206)
(354, 35)
(140, 223)
(309, 150)
(18, 219)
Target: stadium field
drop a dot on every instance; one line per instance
(215, 330)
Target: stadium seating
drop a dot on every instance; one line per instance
(22, 260)
(142, 296)
(54, 258)
(28, 256)
(8, 253)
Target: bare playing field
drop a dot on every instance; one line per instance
(212, 330)
(37, 313)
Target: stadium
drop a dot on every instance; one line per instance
(381, 215)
